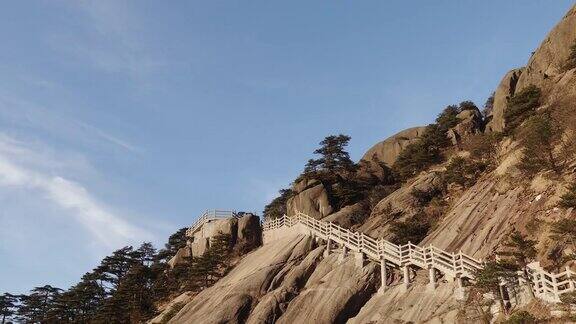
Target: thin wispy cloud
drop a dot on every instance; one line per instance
(111, 40)
(20, 113)
(21, 167)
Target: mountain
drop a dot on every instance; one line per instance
(469, 219)
(468, 205)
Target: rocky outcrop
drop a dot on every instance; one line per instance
(400, 204)
(388, 150)
(249, 230)
(232, 298)
(244, 231)
(470, 123)
(546, 64)
(348, 216)
(338, 289)
(311, 198)
(503, 93)
(417, 305)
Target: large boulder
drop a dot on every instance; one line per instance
(249, 230)
(181, 256)
(470, 123)
(348, 216)
(546, 65)
(388, 150)
(231, 299)
(505, 90)
(400, 204)
(312, 201)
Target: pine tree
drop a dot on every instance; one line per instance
(334, 160)
(568, 200)
(520, 107)
(176, 241)
(277, 207)
(538, 138)
(564, 230)
(494, 276)
(8, 306)
(38, 303)
(521, 251)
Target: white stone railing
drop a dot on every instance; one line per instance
(451, 264)
(550, 286)
(208, 216)
(546, 285)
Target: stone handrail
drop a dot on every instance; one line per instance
(451, 264)
(549, 286)
(209, 216)
(546, 286)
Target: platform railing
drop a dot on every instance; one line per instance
(208, 216)
(547, 286)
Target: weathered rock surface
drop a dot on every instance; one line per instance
(547, 63)
(180, 256)
(417, 305)
(388, 150)
(347, 216)
(338, 289)
(231, 299)
(243, 231)
(503, 93)
(279, 282)
(313, 201)
(471, 123)
(398, 205)
(478, 221)
(249, 230)
(168, 308)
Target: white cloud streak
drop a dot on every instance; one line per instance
(112, 39)
(21, 168)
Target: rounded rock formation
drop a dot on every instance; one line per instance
(388, 150)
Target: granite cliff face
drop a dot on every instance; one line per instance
(292, 280)
(545, 69)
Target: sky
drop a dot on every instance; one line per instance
(121, 121)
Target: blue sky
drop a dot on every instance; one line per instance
(120, 121)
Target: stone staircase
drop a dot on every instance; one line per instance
(456, 266)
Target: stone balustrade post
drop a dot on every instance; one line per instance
(383, 275)
(328, 247)
(432, 279)
(360, 258)
(344, 252)
(570, 280)
(406, 277)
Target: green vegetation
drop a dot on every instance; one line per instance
(521, 317)
(125, 287)
(334, 161)
(277, 207)
(539, 137)
(493, 277)
(413, 230)
(564, 231)
(463, 172)
(8, 306)
(568, 200)
(520, 107)
(488, 105)
(427, 151)
(172, 312)
(422, 154)
(483, 147)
